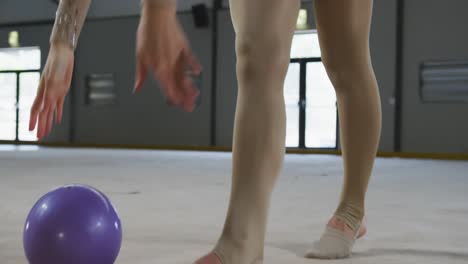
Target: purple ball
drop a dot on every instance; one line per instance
(74, 224)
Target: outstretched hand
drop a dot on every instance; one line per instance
(53, 87)
(163, 50)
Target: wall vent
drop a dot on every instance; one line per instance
(100, 89)
(444, 82)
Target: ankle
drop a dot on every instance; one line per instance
(233, 251)
(350, 213)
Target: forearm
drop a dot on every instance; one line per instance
(69, 21)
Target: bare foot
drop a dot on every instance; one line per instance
(337, 224)
(211, 258)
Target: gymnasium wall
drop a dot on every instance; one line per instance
(434, 31)
(383, 48)
(15, 11)
(108, 46)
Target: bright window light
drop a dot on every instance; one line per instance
(18, 59)
(305, 44)
(291, 98)
(320, 100)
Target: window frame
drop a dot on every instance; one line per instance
(18, 91)
(303, 104)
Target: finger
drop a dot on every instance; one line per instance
(42, 120)
(192, 62)
(48, 103)
(37, 105)
(169, 88)
(182, 79)
(164, 84)
(189, 103)
(59, 108)
(50, 120)
(140, 75)
(186, 85)
(176, 97)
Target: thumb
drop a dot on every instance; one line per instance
(140, 75)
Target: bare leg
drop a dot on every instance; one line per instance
(343, 27)
(264, 30)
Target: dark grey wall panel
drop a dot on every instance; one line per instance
(383, 48)
(14, 11)
(383, 52)
(309, 6)
(39, 36)
(433, 31)
(108, 46)
(226, 86)
(112, 8)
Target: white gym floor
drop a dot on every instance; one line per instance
(172, 204)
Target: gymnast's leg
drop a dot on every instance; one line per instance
(343, 27)
(264, 31)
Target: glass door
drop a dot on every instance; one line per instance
(19, 79)
(309, 96)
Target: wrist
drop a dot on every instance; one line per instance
(59, 45)
(152, 8)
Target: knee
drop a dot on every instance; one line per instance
(337, 72)
(262, 59)
(345, 70)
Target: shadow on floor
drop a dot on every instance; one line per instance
(411, 252)
(301, 249)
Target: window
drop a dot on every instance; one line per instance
(29, 82)
(19, 79)
(20, 58)
(309, 95)
(320, 124)
(291, 98)
(305, 44)
(8, 106)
